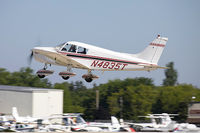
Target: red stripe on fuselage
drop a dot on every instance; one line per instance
(117, 60)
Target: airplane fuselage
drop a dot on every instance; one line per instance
(84, 56)
(98, 59)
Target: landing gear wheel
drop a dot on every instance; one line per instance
(65, 77)
(41, 76)
(88, 79)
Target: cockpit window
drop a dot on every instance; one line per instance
(73, 48)
(82, 50)
(69, 48)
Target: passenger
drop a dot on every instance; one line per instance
(82, 50)
(74, 120)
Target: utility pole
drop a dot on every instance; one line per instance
(97, 99)
(121, 107)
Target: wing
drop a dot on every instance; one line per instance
(63, 60)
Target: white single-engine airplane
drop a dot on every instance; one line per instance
(84, 56)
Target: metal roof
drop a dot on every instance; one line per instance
(25, 89)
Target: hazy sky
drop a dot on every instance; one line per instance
(120, 25)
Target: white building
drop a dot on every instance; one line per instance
(30, 101)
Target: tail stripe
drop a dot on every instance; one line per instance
(158, 45)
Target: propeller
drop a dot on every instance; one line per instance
(30, 58)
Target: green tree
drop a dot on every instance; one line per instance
(114, 104)
(24, 77)
(171, 75)
(175, 100)
(111, 92)
(138, 101)
(4, 76)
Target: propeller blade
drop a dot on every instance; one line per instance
(30, 58)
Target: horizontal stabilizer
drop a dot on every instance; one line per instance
(154, 66)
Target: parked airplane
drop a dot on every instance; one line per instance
(74, 122)
(114, 126)
(164, 123)
(84, 56)
(20, 119)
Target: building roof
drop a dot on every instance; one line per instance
(25, 89)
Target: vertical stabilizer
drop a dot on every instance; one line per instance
(153, 52)
(15, 113)
(114, 121)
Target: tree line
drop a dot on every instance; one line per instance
(125, 99)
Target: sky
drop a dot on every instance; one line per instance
(124, 26)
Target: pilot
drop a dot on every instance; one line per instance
(72, 49)
(64, 49)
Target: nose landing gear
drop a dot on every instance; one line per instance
(43, 72)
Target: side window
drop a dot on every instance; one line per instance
(66, 48)
(72, 48)
(82, 50)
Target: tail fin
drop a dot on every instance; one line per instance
(153, 52)
(114, 121)
(15, 113)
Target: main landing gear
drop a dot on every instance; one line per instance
(89, 77)
(67, 74)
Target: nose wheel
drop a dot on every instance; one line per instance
(43, 72)
(88, 79)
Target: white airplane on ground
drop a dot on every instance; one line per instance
(84, 56)
(164, 123)
(20, 119)
(74, 122)
(157, 121)
(114, 126)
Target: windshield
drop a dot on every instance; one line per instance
(60, 45)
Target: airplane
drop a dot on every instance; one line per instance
(20, 119)
(163, 123)
(76, 123)
(79, 55)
